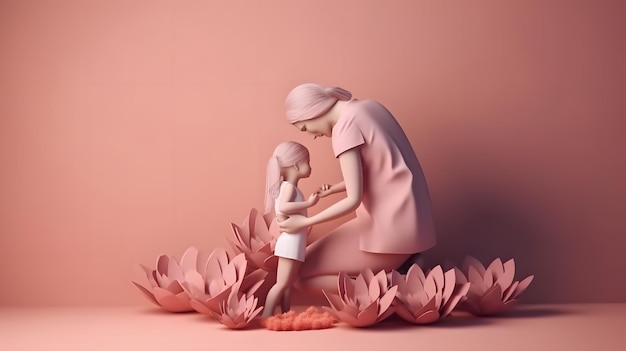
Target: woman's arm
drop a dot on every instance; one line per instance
(350, 162)
(326, 189)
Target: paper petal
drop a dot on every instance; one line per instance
(404, 313)
(506, 279)
(473, 262)
(427, 317)
(509, 291)
(387, 299)
(334, 301)
(140, 276)
(494, 271)
(194, 278)
(448, 286)
(201, 308)
(522, 286)
(369, 313)
(146, 293)
(459, 293)
(437, 274)
(415, 273)
(189, 259)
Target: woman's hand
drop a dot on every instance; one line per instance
(325, 190)
(293, 224)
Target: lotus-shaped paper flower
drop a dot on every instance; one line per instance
(238, 310)
(492, 290)
(424, 299)
(210, 285)
(363, 301)
(163, 286)
(256, 239)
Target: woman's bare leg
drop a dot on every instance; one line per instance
(286, 274)
(339, 252)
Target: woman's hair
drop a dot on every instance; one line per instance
(286, 154)
(309, 100)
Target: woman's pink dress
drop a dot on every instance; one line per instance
(395, 214)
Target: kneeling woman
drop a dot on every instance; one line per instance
(382, 181)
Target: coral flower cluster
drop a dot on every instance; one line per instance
(310, 319)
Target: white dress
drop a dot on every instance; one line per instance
(290, 245)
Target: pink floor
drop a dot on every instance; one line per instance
(530, 327)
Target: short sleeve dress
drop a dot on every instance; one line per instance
(395, 214)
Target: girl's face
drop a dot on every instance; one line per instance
(317, 127)
(304, 168)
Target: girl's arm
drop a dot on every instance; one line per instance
(286, 206)
(350, 162)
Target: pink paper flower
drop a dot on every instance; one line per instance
(424, 299)
(162, 285)
(238, 310)
(210, 285)
(363, 301)
(492, 290)
(256, 239)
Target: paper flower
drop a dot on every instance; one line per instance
(492, 290)
(256, 239)
(424, 299)
(363, 301)
(210, 285)
(238, 310)
(162, 285)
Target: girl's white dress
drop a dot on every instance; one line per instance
(290, 245)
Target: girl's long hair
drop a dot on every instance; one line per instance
(286, 154)
(310, 100)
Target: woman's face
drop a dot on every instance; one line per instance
(317, 127)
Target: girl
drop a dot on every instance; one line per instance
(289, 163)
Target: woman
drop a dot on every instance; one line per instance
(383, 182)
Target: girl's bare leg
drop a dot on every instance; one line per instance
(285, 303)
(339, 252)
(286, 274)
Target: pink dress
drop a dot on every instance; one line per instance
(395, 213)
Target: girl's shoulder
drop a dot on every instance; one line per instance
(286, 185)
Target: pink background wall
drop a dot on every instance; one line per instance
(129, 129)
